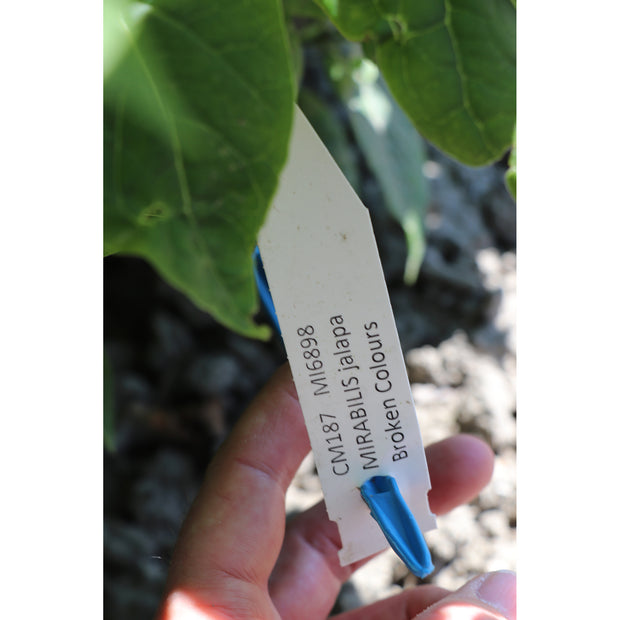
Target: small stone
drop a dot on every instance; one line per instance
(213, 374)
(494, 522)
(161, 497)
(373, 580)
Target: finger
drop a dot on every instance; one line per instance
(403, 606)
(487, 597)
(232, 535)
(459, 468)
(308, 567)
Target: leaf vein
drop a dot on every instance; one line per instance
(175, 144)
(478, 124)
(213, 52)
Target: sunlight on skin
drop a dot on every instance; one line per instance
(486, 597)
(181, 606)
(464, 612)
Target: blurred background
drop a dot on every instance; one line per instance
(177, 381)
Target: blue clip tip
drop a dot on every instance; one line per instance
(263, 289)
(390, 511)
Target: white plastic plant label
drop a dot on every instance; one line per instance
(324, 273)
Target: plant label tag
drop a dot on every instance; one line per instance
(323, 269)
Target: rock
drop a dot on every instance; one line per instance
(472, 393)
(212, 374)
(161, 496)
(498, 335)
(135, 575)
(488, 404)
(495, 523)
(305, 489)
(432, 365)
(172, 341)
(437, 411)
(501, 491)
(123, 541)
(371, 582)
(458, 547)
(499, 211)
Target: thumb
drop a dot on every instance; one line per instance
(487, 597)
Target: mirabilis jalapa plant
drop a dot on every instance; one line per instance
(198, 107)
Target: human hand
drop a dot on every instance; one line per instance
(236, 558)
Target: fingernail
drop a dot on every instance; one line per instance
(499, 590)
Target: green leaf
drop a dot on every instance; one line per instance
(332, 134)
(303, 9)
(197, 117)
(359, 19)
(296, 53)
(395, 153)
(115, 42)
(511, 173)
(450, 64)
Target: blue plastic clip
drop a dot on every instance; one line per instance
(389, 510)
(263, 289)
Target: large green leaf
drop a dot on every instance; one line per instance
(450, 64)
(198, 113)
